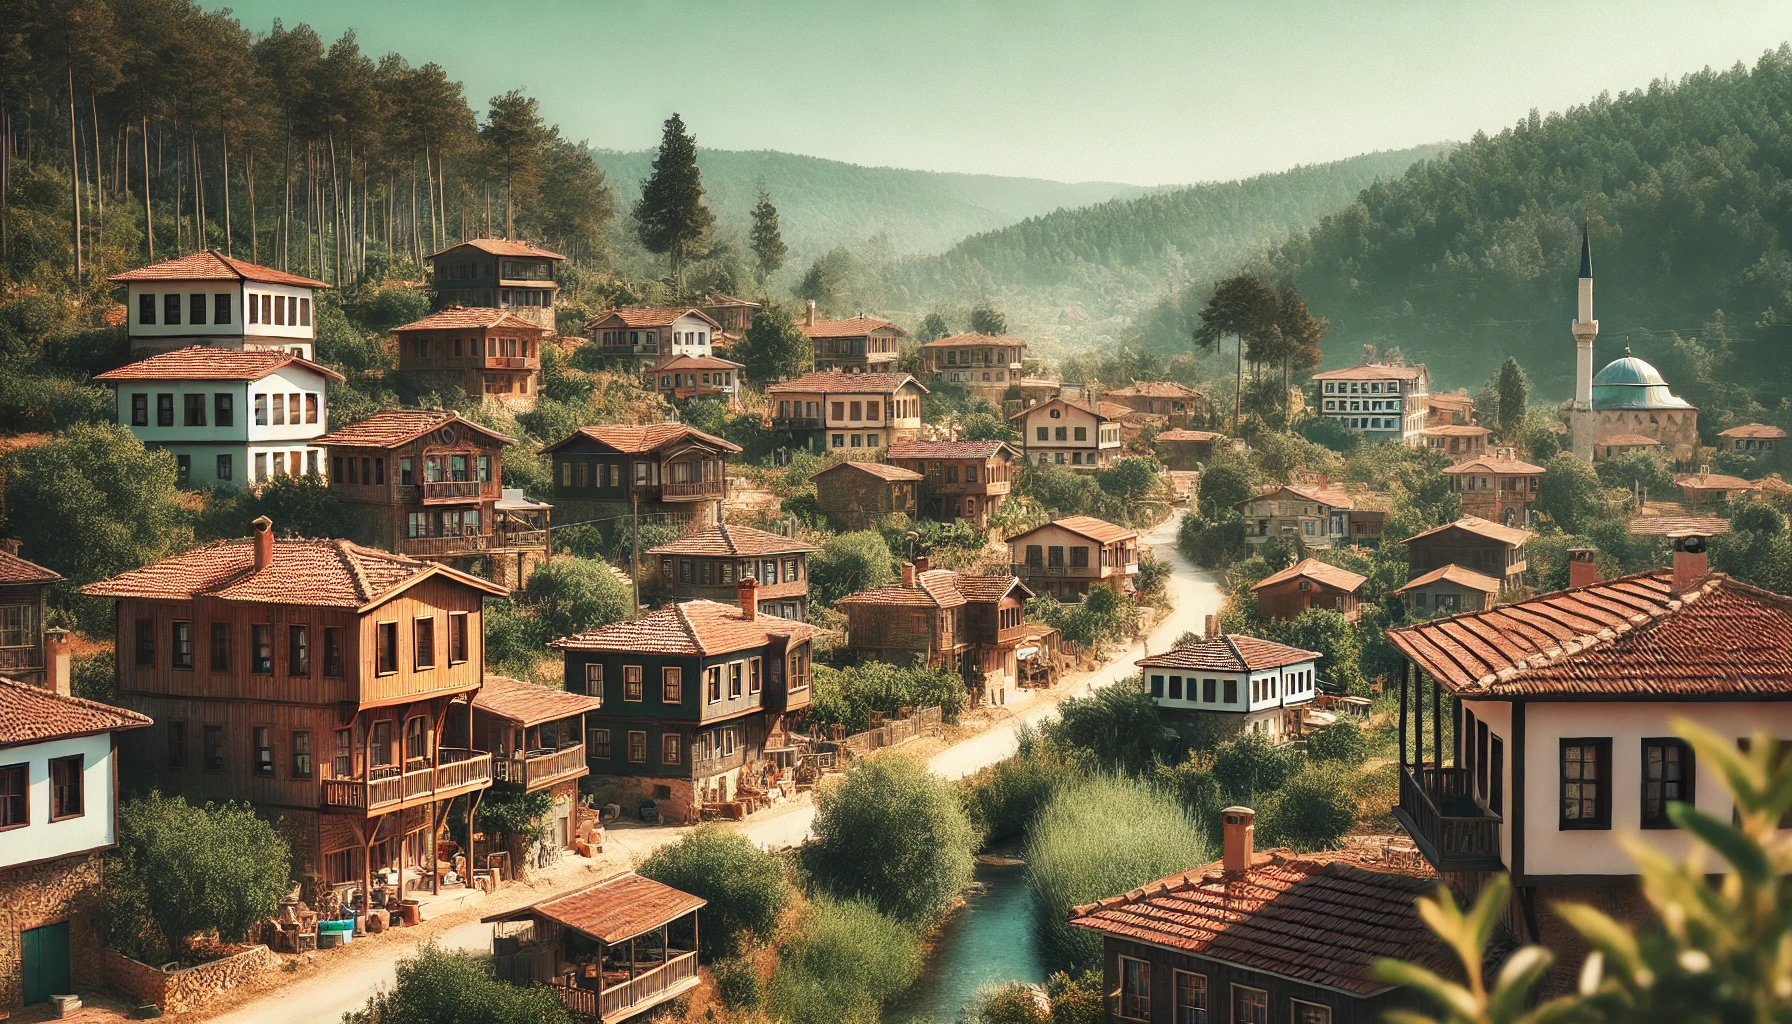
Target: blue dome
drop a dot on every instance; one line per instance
(1629, 370)
(1631, 383)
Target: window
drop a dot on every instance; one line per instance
(1191, 998)
(214, 748)
(631, 682)
(279, 405)
(1496, 771)
(416, 738)
(146, 309)
(310, 407)
(381, 743)
(264, 750)
(1082, 433)
(261, 410)
(753, 675)
(304, 312)
(1135, 989)
(1249, 1005)
(734, 679)
(671, 685)
(181, 648)
(1667, 778)
(1586, 787)
(177, 744)
(1231, 691)
(261, 649)
(15, 806)
(343, 762)
(1035, 555)
(65, 787)
(713, 682)
(165, 409)
(1079, 558)
(1157, 686)
(183, 468)
(457, 637)
(671, 750)
(423, 630)
(333, 651)
(171, 309)
(220, 647)
(1042, 433)
(226, 469)
(1310, 1013)
(1175, 687)
(196, 308)
(600, 744)
(1058, 434)
(298, 650)
(1207, 690)
(388, 648)
(139, 409)
(301, 755)
(637, 747)
(594, 679)
(221, 308)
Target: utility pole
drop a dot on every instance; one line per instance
(634, 520)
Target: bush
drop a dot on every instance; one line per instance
(44, 402)
(891, 833)
(848, 564)
(737, 983)
(846, 697)
(572, 595)
(1314, 810)
(437, 986)
(1003, 799)
(843, 962)
(1250, 764)
(744, 885)
(1118, 725)
(1097, 838)
(1342, 742)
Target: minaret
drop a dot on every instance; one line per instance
(1585, 329)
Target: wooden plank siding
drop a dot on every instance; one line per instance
(1222, 977)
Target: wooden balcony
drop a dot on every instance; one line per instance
(624, 999)
(21, 658)
(457, 770)
(1449, 823)
(538, 770)
(427, 547)
(693, 490)
(441, 490)
(1026, 569)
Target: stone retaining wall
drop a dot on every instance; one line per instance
(46, 893)
(189, 989)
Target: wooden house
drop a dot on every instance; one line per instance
(209, 300)
(683, 378)
(1066, 556)
(1458, 440)
(1450, 589)
(23, 595)
(665, 472)
(971, 625)
(836, 411)
(860, 344)
(733, 316)
(986, 364)
(491, 354)
(1472, 543)
(1616, 446)
(536, 736)
(1231, 684)
(855, 495)
(1180, 405)
(515, 276)
(1309, 583)
(1496, 487)
(1449, 408)
(694, 696)
(1181, 449)
(637, 339)
(316, 680)
(1750, 438)
(1062, 432)
(1710, 490)
(1316, 516)
(709, 563)
(959, 479)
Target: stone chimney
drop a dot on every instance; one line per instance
(1582, 569)
(809, 315)
(1690, 565)
(749, 596)
(1240, 838)
(264, 542)
(58, 660)
(908, 574)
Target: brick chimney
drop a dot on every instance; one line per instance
(10, 545)
(58, 660)
(749, 596)
(908, 574)
(922, 562)
(1690, 565)
(1582, 569)
(809, 315)
(1240, 837)
(264, 542)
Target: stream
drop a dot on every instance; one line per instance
(989, 941)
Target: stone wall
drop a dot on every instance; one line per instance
(43, 894)
(190, 989)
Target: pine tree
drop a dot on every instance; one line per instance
(671, 219)
(1245, 308)
(1514, 390)
(987, 319)
(933, 326)
(514, 135)
(768, 244)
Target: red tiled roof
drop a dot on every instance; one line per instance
(1189, 435)
(1455, 574)
(1156, 389)
(212, 265)
(32, 714)
(1060, 400)
(1115, 411)
(852, 327)
(613, 910)
(325, 573)
(923, 450)
(1228, 653)
(1753, 430)
(1481, 528)
(200, 362)
(1489, 464)
(971, 339)
(722, 300)
(456, 318)
(501, 247)
(1631, 441)
(728, 539)
(1715, 482)
(1372, 371)
(1459, 430)
(393, 427)
(1314, 569)
(693, 627)
(698, 363)
(938, 588)
(14, 569)
(881, 470)
(528, 704)
(1666, 525)
(1320, 919)
(649, 316)
(988, 588)
(1322, 496)
(1451, 400)
(834, 382)
(634, 440)
(1099, 530)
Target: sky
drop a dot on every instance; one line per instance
(1101, 90)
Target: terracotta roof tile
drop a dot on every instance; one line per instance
(1753, 430)
(1189, 435)
(1659, 525)
(1631, 441)
(528, 704)
(938, 588)
(1099, 530)
(1061, 400)
(1314, 569)
(1455, 574)
(1451, 400)
(923, 450)
(728, 539)
(1116, 411)
(393, 427)
(212, 265)
(647, 316)
(501, 247)
(971, 339)
(881, 470)
(32, 714)
(1372, 371)
(834, 382)
(457, 318)
(1231, 652)
(1489, 464)
(852, 327)
(1317, 495)
(613, 910)
(1715, 482)
(14, 569)
(1480, 528)
(1460, 430)
(1156, 389)
(693, 628)
(633, 439)
(201, 362)
(698, 363)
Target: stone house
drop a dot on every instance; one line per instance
(1068, 433)
(1181, 405)
(1316, 516)
(1752, 438)
(1497, 487)
(638, 339)
(836, 411)
(859, 344)
(1451, 589)
(960, 479)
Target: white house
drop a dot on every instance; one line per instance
(231, 417)
(1378, 401)
(1066, 433)
(58, 816)
(212, 300)
(642, 338)
(1251, 685)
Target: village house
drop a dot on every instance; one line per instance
(987, 364)
(1378, 401)
(210, 300)
(1666, 518)
(855, 495)
(231, 418)
(491, 354)
(1616, 446)
(1497, 487)
(1062, 432)
(709, 563)
(24, 587)
(1188, 450)
(1461, 440)
(683, 378)
(1316, 516)
(1230, 684)
(639, 339)
(960, 479)
(1065, 557)
(428, 484)
(1752, 438)
(971, 625)
(1471, 543)
(499, 273)
(860, 344)
(316, 680)
(830, 410)
(1449, 408)
(733, 317)
(694, 696)
(536, 736)
(1449, 590)
(1259, 937)
(1710, 490)
(1181, 405)
(58, 817)
(1309, 583)
(1026, 392)
(669, 472)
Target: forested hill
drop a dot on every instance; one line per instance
(1472, 256)
(826, 203)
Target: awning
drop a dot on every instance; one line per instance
(613, 911)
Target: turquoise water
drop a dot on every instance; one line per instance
(988, 941)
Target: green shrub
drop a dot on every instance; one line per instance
(846, 697)
(1002, 799)
(1118, 725)
(848, 564)
(1314, 810)
(1012, 1003)
(891, 833)
(744, 885)
(841, 964)
(1076, 1000)
(437, 986)
(572, 595)
(1250, 764)
(737, 983)
(1342, 741)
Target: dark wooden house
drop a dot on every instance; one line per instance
(490, 354)
(855, 495)
(22, 588)
(1497, 487)
(971, 625)
(1186, 449)
(501, 273)
(536, 736)
(709, 563)
(1309, 583)
(1472, 543)
(665, 472)
(960, 479)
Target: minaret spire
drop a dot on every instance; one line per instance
(1585, 329)
(1586, 250)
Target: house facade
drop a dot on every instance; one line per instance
(860, 344)
(987, 364)
(1309, 583)
(1065, 557)
(1458, 440)
(959, 479)
(499, 273)
(708, 564)
(1751, 438)
(1186, 450)
(1062, 432)
(972, 625)
(1497, 487)
(536, 736)
(491, 354)
(1230, 684)
(1378, 401)
(842, 411)
(1449, 590)
(637, 339)
(667, 471)
(855, 495)
(683, 378)
(1449, 408)
(1180, 405)
(24, 586)
(1318, 517)
(231, 418)
(210, 300)
(1470, 543)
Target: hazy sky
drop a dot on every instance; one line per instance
(1147, 93)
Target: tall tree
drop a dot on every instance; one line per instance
(513, 134)
(987, 319)
(775, 348)
(671, 219)
(1244, 308)
(1513, 389)
(768, 244)
(933, 326)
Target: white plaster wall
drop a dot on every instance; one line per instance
(1498, 716)
(689, 325)
(282, 382)
(276, 332)
(185, 329)
(43, 838)
(153, 434)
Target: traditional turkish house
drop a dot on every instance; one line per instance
(1318, 517)
(1230, 684)
(1664, 519)
(733, 317)
(1616, 446)
(860, 344)
(1458, 439)
(210, 300)
(1065, 557)
(1062, 432)
(1181, 449)
(694, 696)
(971, 625)
(683, 378)
(1181, 405)
(665, 472)
(855, 495)
(639, 339)
(1449, 408)
(960, 479)
(1450, 590)
(1259, 937)
(316, 680)
(1309, 583)
(1497, 487)
(1472, 543)
(536, 736)
(1379, 401)
(1752, 438)
(514, 276)
(1712, 490)
(709, 563)
(987, 364)
(24, 587)
(58, 817)
(491, 354)
(428, 484)
(831, 410)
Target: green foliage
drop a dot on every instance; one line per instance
(1342, 742)
(95, 676)
(1227, 480)
(382, 309)
(526, 818)
(766, 241)
(1570, 494)
(891, 833)
(841, 964)
(1102, 617)
(297, 506)
(515, 637)
(40, 402)
(849, 563)
(671, 218)
(847, 696)
(1002, 799)
(1647, 470)
(1154, 573)
(1210, 542)
(1118, 725)
(737, 982)
(775, 347)
(1313, 810)
(982, 426)
(438, 986)
(572, 595)
(987, 319)
(1337, 640)
(1250, 764)
(744, 885)
(1512, 389)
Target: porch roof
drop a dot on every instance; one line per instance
(612, 911)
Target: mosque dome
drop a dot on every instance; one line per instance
(1631, 383)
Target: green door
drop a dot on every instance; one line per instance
(46, 961)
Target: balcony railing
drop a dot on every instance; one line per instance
(520, 539)
(538, 769)
(1451, 826)
(694, 489)
(21, 657)
(426, 546)
(436, 489)
(718, 762)
(650, 987)
(390, 787)
(1026, 569)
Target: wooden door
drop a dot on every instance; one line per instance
(45, 961)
